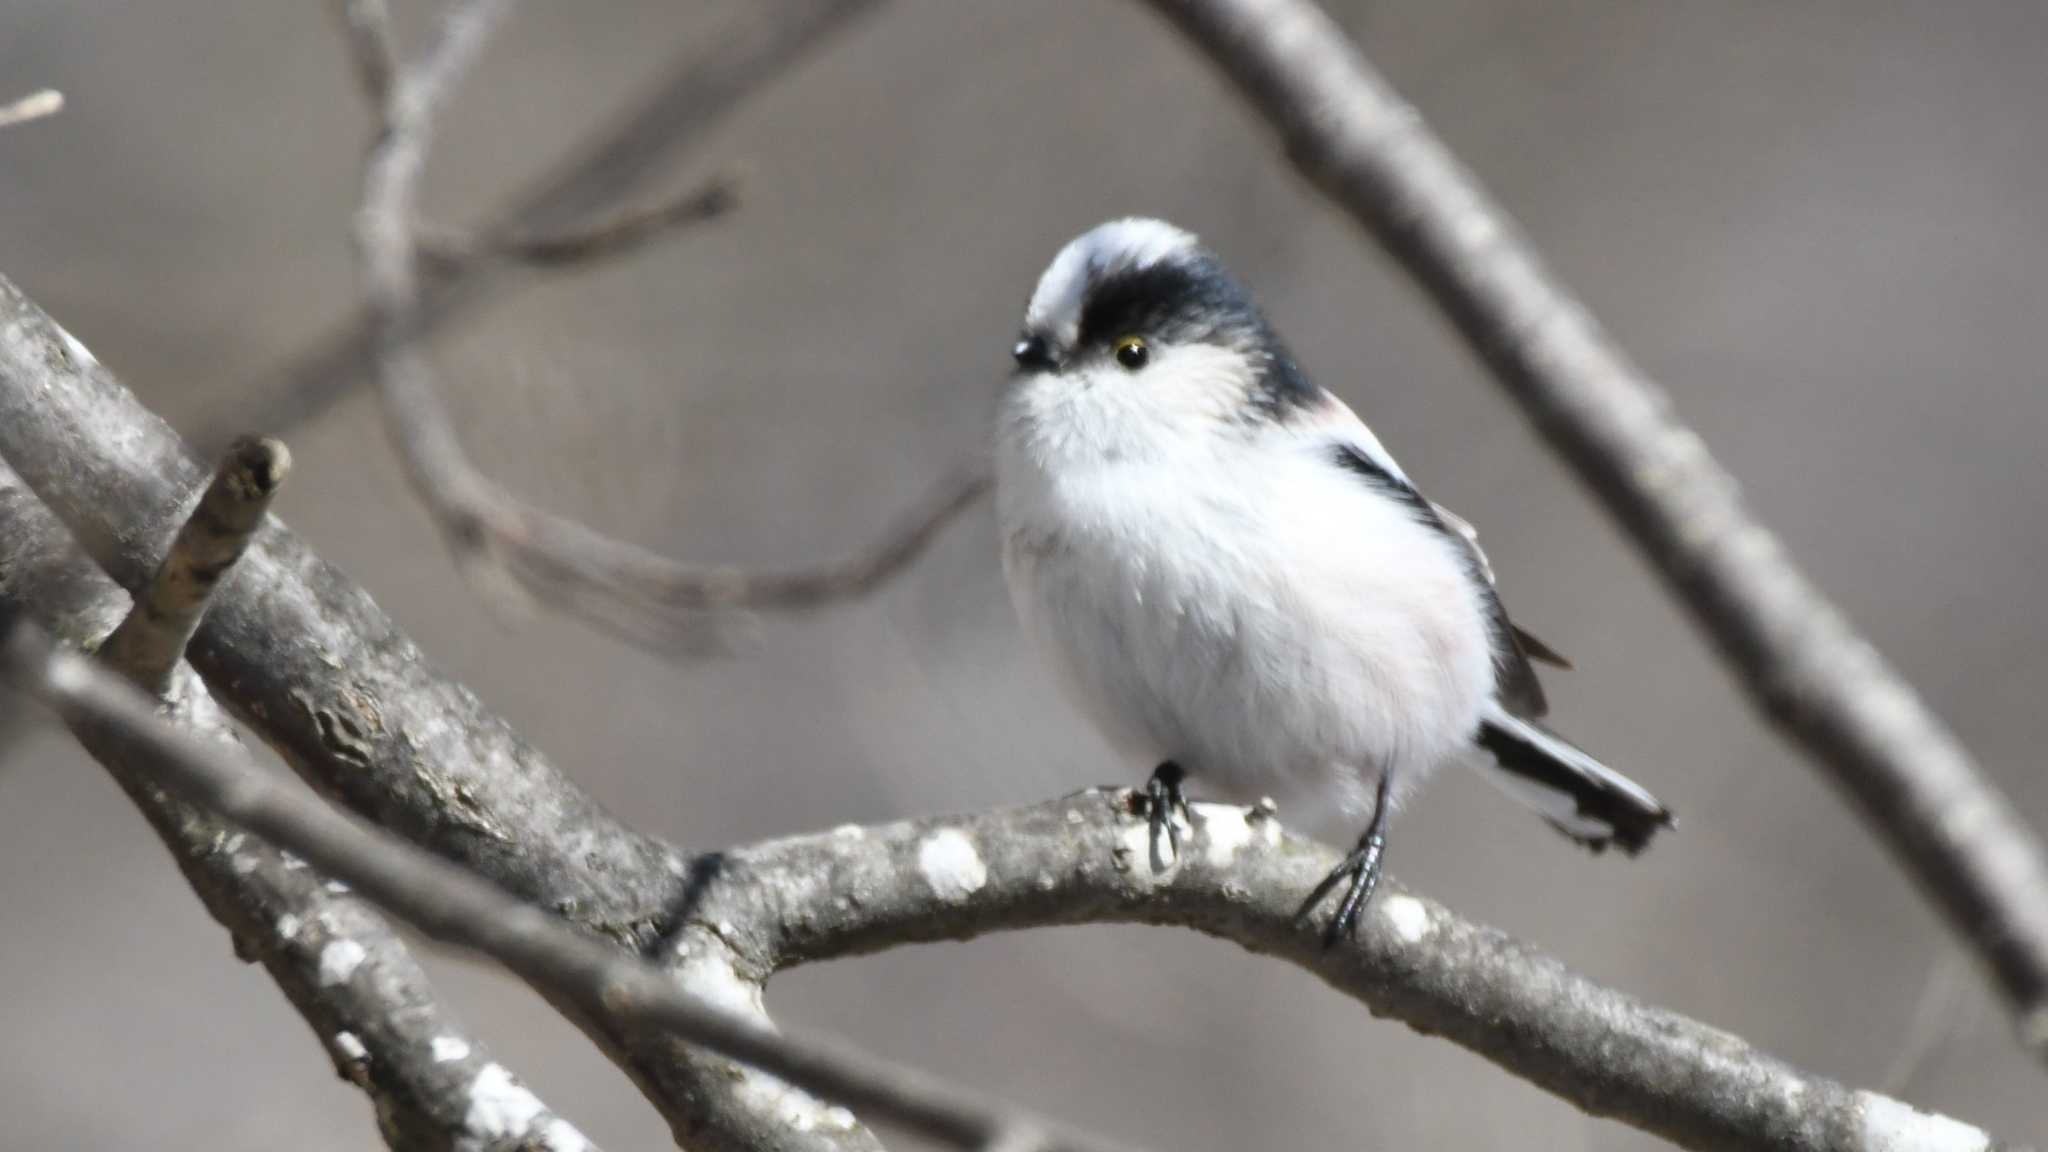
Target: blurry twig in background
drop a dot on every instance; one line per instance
(34, 106)
(1941, 1012)
(504, 544)
(1352, 135)
(340, 964)
(459, 908)
(448, 250)
(692, 95)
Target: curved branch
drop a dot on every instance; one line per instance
(459, 908)
(695, 93)
(666, 606)
(1086, 859)
(338, 962)
(1805, 667)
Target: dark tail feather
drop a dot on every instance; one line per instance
(1579, 796)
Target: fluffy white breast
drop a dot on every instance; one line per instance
(1220, 592)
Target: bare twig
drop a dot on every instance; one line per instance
(669, 607)
(1810, 672)
(380, 1021)
(458, 908)
(151, 641)
(34, 106)
(373, 47)
(1939, 1014)
(446, 252)
(693, 94)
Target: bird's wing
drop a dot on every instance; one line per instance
(1360, 452)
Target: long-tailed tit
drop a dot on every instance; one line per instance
(1238, 583)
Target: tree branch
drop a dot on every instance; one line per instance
(459, 908)
(304, 657)
(1819, 681)
(151, 640)
(1085, 859)
(691, 97)
(339, 963)
(667, 607)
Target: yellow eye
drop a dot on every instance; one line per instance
(1132, 352)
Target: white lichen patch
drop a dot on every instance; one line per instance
(1227, 831)
(80, 354)
(1410, 920)
(950, 865)
(558, 1135)
(242, 865)
(448, 1049)
(706, 974)
(1890, 1126)
(288, 927)
(850, 832)
(500, 1109)
(794, 1109)
(236, 841)
(349, 1047)
(339, 961)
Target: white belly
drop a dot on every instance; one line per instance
(1263, 619)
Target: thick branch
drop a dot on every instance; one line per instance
(1086, 859)
(305, 658)
(1809, 671)
(338, 962)
(692, 96)
(459, 908)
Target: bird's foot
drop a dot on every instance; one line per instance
(1163, 797)
(1362, 869)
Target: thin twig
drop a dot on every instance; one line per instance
(693, 94)
(447, 252)
(460, 909)
(373, 48)
(1803, 664)
(384, 1026)
(34, 106)
(668, 607)
(151, 641)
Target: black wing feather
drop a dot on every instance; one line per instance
(1520, 692)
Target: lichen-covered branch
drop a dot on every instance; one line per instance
(435, 1087)
(690, 97)
(667, 606)
(151, 641)
(461, 909)
(305, 658)
(1810, 672)
(1086, 859)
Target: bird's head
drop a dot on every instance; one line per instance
(1135, 332)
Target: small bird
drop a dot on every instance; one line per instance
(1238, 584)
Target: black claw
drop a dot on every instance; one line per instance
(1163, 795)
(1361, 868)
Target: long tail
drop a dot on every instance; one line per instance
(1579, 796)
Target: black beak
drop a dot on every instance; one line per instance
(1032, 353)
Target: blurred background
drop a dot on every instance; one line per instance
(1819, 225)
